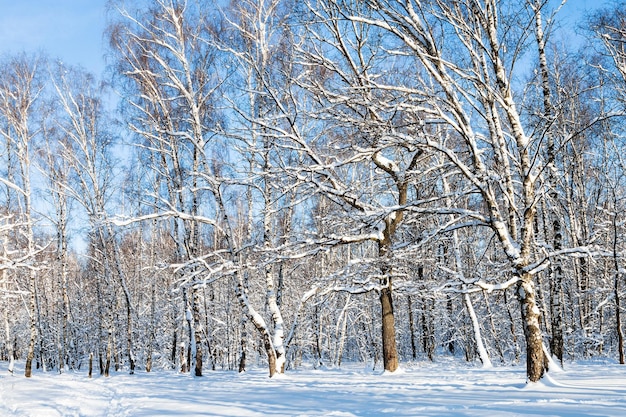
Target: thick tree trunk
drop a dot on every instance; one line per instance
(174, 351)
(258, 322)
(277, 320)
(198, 367)
(390, 354)
(197, 334)
(556, 316)
(109, 352)
(243, 344)
(271, 353)
(183, 359)
(535, 356)
(555, 281)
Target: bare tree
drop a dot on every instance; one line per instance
(257, 39)
(20, 90)
(466, 64)
(87, 148)
(369, 174)
(56, 169)
(166, 60)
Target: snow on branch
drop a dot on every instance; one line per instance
(577, 252)
(468, 287)
(385, 164)
(476, 286)
(12, 185)
(25, 261)
(497, 287)
(375, 236)
(163, 215)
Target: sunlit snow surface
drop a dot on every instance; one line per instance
(421, 389)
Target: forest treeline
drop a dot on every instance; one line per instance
(316, 182)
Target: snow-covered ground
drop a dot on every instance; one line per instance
(421, 389)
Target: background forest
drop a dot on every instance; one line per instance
(320, 181)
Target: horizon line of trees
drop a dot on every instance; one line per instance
(327, 181)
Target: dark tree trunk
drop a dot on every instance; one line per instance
(243, 342)
(107, 363)
(198, 331)
(412, 328)
(618, 316)
(33, 328)
(183, 360)
(174, 349)
(618, 321)
(198, 370)
(390, 354)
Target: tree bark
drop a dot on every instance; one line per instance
(258, 322)
(390, 353)
(412, 328)
(482, 352)
(197, 334)
(33, 330)
(616, 287)
(535, 359)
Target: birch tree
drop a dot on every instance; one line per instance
(10, 292)
(168, 54)
(20, 89)
(344, 61)
(56, 170)
(609, 25)
(466, 54)
(258, 41)
(87, 148)
(162, 51)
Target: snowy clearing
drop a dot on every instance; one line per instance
(420, 389)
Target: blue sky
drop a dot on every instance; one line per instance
(71, 30)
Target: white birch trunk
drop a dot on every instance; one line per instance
(482, 352)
